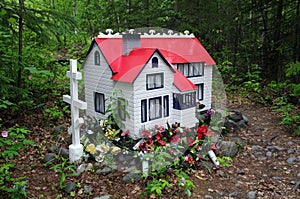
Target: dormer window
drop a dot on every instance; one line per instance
(154, 62)
(97, 58)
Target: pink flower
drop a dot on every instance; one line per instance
(4, 134)
(161, 143)
(188, 159)
(214, 148)
(29, 77)
(124, 133)
(174, 139)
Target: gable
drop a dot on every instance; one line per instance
(129, 67)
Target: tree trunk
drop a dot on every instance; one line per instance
(20, 54)
(297, 32)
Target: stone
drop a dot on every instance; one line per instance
(272, 148)
(131, 176)
(235, 115)
(290, 143)
(50, 158)
(87, 189)
(230, 124)
(242, 124)
(246, 120)
(289, 151)
(291, 160)
(59, 129)
(54, 148)
(251, 194)
(241, 172)
(262, 158)
(298, 175)
(233, 194)
(80, 169)
(63, 152)
(256, 147)
(103, 197)
(105, 170)
(208, 197)
(269, 154)
(70, 186)
(227, 148)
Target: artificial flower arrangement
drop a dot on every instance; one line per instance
(184, 144)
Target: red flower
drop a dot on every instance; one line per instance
(183, 134)
(188, 130)
(175, 131)
(202, 129)
(174, 139)
(161, 129)
(143, 146)
(190, 141)
(188, 159)
(199, 135)
(161, 142)
(146, 133)
(149, 141)
(159, 134)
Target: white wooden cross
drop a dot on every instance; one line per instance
(75, 149)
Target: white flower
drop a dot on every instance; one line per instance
(99, 158)
(90, 132)
(115, 150)
(103, 148)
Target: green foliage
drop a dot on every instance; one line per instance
(156, 186)
(66, 169)
(224, 161)
(13, 187)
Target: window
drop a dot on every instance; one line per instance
(97, 58)
(122, 108)
(184, 101)
(191, 69)
(144, 110)
(155, 108)
(154, 62)
(155, 81)
(166, 106)
(99, 101)
(200, 91)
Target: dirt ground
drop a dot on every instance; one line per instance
(260, 168)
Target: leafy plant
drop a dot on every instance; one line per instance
(225, 160)
(156, 186)
(65, 167)
(12, 141)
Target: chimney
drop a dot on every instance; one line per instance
(130, 41)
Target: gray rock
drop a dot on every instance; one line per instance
(103, 197)
(59, 129)
(70, 186)
(298, 175)
(256, 147)
(269, 154)
(105, 170)
(289, 151)
(50, 158)
(230, 124)
(131, 176)
(242, 124)
(290, 143)
(87, 189)
(54, 148)
(208, 197)
(237, 184)
(262, 158)
(97, 165)
(291, 160)
(63, 152)
(80, 169)
(233, 194)
(241, 172)
(235, 115)
(251, 194)
(272, 148)
(227, 148)
(246, 120)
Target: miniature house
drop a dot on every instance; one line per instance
(161, 76)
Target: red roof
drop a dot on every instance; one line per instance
(174, 50)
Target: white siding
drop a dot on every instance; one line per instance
(207, 80)
(96, 79)
(140, 93)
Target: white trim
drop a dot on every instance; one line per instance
(151, 34)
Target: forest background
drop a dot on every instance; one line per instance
(256, 44)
